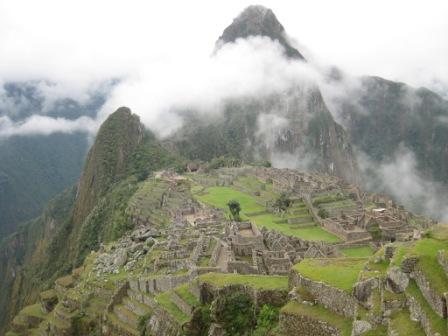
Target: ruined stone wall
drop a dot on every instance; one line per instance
(435, 300)
(337, 300)
(241, 267)
(442, 258)
(215, 253)
(418, 314)
(181, 304)
(118, 296)
(292, 325)
(162, 324)
(276, 298)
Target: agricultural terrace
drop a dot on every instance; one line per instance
(253, 196)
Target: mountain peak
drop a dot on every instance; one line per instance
(257, 20)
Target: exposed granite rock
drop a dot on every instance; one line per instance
(360, 327)
(397, 281)
(258, 21)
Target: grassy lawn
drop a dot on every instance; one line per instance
(359, 251)
(318, 312)
(255, 281)
(340, 273)
(219, 196)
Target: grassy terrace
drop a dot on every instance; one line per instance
(164, 299)
(357, 252)
(184, 292)
(426, 251)
(340, 273)
(320, 313)
(438, 324)
(219, 196)
(402, 323)
(267, 282)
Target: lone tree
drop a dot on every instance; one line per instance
(282, 203)
(234, 208)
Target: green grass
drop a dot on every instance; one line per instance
(164, 299)
(266, 282)
(184, 292)
(318, 312)
(308, 233)
(340, 273)
(219, 196)
(402, 323)
(438, 324)
(427, 250)
(33, 310)
(359, 251)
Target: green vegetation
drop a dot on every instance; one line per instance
(184, 292)
(359, 251)
(340, 273)
(234, 209)
(219, 196)
(164, 299)
(318, 312)
(256, 281)
(200, 322)
(282, 203)
(235, 312)
(427, 250)
(267, 320)
(323, 213)
(438, 324)
(401, 322)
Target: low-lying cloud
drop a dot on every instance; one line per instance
(252, 67)
(400, 178)
(44, 125)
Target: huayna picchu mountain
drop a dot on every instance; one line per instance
(292, 126)
(195, 235)
(258, 21)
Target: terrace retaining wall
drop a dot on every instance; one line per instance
(335, 299)
(436, 300)
(292, 324)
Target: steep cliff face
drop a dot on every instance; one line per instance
(291, 128)
(78, 220)
(258, 21)
(382, 115)
(24, 255)
(106, 163)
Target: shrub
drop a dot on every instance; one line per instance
(236, 313)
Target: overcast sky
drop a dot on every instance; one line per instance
(77, 42)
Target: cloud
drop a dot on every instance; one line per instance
(251, 67)
(43, 125)
(400, 178)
